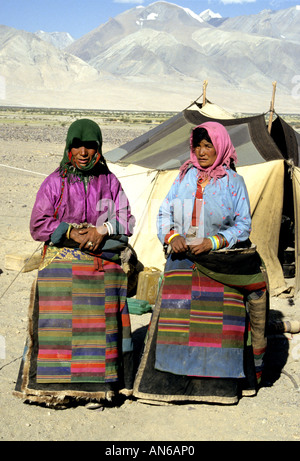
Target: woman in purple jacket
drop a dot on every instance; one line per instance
(79, 344)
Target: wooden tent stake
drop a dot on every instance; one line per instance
(272, 107)
(205, 83)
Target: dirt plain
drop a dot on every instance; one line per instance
(28, 151)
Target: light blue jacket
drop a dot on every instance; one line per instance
(225, 208)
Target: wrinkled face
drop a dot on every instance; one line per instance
(205, 153)
(83, 152)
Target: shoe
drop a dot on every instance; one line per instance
(292, 326)
(93, 405)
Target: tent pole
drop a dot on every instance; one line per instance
(205, 83)
(272, 107)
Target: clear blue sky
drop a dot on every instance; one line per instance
(80, 16)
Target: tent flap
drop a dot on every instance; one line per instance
(265, 188)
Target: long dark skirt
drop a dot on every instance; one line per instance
(199, 346)
(79, 341)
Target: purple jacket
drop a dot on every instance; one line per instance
(104, 201)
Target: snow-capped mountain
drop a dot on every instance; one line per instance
(162, 50)
(207, 15)
(58, 39)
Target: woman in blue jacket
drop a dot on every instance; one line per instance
(213, 295)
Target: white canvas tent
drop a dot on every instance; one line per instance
(147, 166)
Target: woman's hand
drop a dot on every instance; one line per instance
(178, 244)
(203, 247)
(89, 238)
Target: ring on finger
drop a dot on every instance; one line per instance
(90, 244)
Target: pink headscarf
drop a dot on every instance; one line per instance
(224, 150)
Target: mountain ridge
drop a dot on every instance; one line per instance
(156, 57)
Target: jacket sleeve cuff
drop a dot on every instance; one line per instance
(59, 233)
(170, 235)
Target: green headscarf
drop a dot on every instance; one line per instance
(85, 130)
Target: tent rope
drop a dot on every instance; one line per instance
(194, 102)
(42, 174)
(22, 169)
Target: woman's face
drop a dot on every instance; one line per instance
(83, 152)
(205, 153)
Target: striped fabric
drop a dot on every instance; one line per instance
(198, 311)
(80, 306)
(201, 327)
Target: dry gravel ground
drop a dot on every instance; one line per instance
(273, 415)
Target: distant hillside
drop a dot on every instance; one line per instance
(282, 24)
(167, 40)
(157, 57)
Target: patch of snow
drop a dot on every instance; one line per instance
(187, 10)
(152, 17)
(208, 14)
(194, 15)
